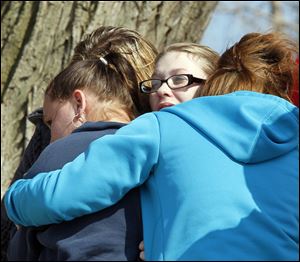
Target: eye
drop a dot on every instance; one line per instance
(179, 79)
(155, 83)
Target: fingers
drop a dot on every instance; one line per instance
(142, 255)
(141, 246)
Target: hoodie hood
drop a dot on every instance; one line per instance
(250, 127)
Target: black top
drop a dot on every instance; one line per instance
(110, 234)
(39, 140)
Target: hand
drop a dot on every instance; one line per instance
(142, 253)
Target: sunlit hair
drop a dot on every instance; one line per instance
(114, 84)
(258, 62)
(130, 44)
(205, 56)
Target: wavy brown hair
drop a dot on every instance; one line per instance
(258, 62)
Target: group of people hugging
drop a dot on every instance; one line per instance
(181, 154)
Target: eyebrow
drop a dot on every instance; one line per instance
(172, 72)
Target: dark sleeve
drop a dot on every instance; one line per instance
(37, 143)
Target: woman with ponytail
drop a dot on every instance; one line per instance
(219, 173)
(87, 100)
(141, 54)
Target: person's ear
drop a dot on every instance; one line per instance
(80, 101)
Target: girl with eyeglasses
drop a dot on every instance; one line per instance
(180, 70)
(218, 174)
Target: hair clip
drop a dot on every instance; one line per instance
(103, 60)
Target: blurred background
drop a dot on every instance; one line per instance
(38, 37)
(232, 19)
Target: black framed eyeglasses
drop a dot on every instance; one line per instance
(173, 82)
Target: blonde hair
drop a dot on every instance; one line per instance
(138, 51)
(199, 52)
(258, 62)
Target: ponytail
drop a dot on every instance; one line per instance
(110, 78)
(258, 62)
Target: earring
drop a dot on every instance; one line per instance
(78, 119)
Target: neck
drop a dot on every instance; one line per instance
(118, 119)
(118, 116)
(110, 116)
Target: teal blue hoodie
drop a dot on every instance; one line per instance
(218, 177)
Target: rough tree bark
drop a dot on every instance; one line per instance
(37, 39)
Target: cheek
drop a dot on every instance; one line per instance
(62, 126)
(186, 95)
(56, 131)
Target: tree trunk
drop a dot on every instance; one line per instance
(277, 17)
(37, 40)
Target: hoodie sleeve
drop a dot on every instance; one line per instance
(96, 179)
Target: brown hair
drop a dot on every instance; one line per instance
(203, 54)
(112, 79)
(138, 51)
(258, 62)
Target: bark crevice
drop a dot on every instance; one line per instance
(26, 39)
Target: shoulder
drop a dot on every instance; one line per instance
(66, 149)
(144, 123)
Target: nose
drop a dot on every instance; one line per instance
(164, 90)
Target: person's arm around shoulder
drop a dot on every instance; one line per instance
(96, 179)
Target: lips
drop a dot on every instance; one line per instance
(164, 104)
